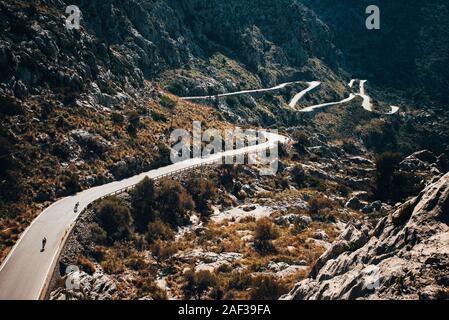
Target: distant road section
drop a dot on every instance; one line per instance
(366, 104)
(319, 106)
(298, 96)
(280, 86)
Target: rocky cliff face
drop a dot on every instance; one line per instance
(159, 35)
(405, 257)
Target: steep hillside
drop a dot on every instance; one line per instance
(75, 113)
(80, 108)
(405, 257)
(409, 52)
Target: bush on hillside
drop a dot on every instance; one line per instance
(392, 184)
(196, 284)
(263, 234)
(299, 176)
(301, 140)
(174, 203)
(167, 102)
(158, 230)
(115, 219)
(319, 203)
(266, 288)
(202, 191)
(143, 204)
(239, 281)
(117, 118)
(163, 157)
(71, 183)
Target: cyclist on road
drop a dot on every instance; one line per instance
(44, 242)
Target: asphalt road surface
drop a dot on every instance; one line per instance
(27, 269)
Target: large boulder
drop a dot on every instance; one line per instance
(98, 286)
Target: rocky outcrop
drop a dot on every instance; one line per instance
(82, 286)
(405, 257)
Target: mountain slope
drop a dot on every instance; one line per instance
(405, 257)
(409, 52)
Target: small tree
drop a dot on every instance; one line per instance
(71, 183)
(167, 102)
(227, 176)
(115, 219)
(174, 203)
(163, 157)
(301, 140)
(143, 203)
(202, 192)
(391, 183)
(117, 118)
(134, 122)
(386, 165)
(158, 230)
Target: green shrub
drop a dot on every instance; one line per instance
(202, 191)
(174, 203)
(159, 117)
(9, 106)
(386, 165)
(228, 174)
(12, 184)
(163, 157)
(70, 182)
(391, 183)
(301, 140)
(379, 135)
(115, 218)
(134, 118)
(167, 102)
(99, 235)
(299, 176)
(117, 118)
(143, 204)
(134, 123)
(239, 281)
(196, 284)
(146, 286)
(158, 230)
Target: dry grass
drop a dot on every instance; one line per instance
(86, 265)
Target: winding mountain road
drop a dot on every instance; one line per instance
(366, 103)
(297, 97)
(26, 271)
(280, 86)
